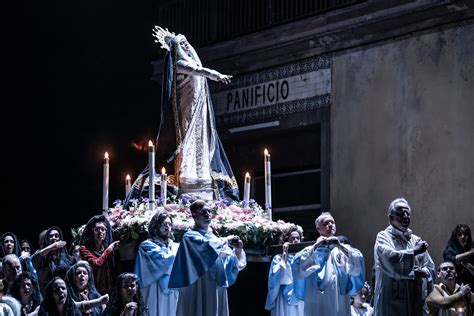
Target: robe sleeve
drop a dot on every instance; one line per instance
(305, 263)
(279, 274)
(196, 254)
(184, 67)
(426, 265)
(355, 262)
(228, 265)
(450, 253)
(397, 264)
(94, 261)
(154, 263)
(355, 269)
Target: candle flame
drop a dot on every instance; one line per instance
(163, 170)
(265, 152)
(128, 177)
(106, 155)
(150, 143)
(247, 175)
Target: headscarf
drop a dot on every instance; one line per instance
(64, 261)
(74, 292)
(35, 290)
(48, 306)
(115, 305)
(87, 237)
(16, 250)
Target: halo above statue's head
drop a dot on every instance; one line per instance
(163, 36)
(171, 42)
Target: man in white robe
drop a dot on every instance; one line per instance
(404, 270)
(205, 266)
(153, 267)
(327, 273)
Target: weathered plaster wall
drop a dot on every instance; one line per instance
(402, 124)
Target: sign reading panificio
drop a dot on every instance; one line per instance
(288, 86)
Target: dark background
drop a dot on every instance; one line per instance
(78, 83)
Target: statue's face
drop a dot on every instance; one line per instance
(183, 42)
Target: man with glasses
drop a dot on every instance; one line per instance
(447, 297)
(404, 270)
(205, 266)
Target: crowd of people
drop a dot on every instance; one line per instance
(191, 277)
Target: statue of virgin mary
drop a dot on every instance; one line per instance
(201, 168)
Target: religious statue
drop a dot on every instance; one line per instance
(201, 168)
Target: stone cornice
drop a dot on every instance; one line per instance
(362, 24)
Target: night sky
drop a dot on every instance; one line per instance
(79, 75)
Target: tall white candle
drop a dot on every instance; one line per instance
(247, 188)
(105, 183)
(128, 184)
(164, 185)
(268, 184)
(151, 175)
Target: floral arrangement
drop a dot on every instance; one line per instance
(249, 221)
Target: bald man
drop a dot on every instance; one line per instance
(327, 273)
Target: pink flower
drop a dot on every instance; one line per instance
(235, 209)
(216, 226)
(247, 210)
(172, 208)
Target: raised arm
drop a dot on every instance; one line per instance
(94, 261)
(85, 305)
(187, 68)
(465, 255)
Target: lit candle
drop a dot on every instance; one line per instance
(164, 185)
(151, 175)
(128, 184)
(247, 188)
(105, 183)
(268, 184)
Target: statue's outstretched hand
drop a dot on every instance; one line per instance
(224, 78)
